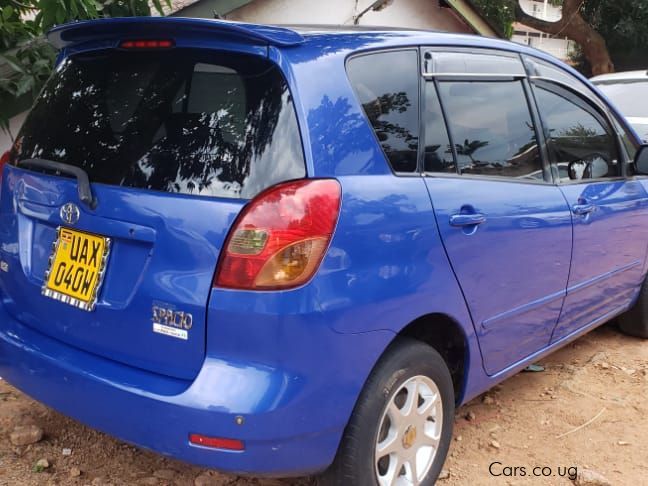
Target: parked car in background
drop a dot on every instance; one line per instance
(629, 91)
(288, 251)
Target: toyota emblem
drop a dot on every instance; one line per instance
(70, 213)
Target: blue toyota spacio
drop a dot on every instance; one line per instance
(295, 250)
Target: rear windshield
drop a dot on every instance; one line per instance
(185, 122)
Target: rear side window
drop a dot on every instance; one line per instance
(187, 122)
(491, 128)
(387, 85)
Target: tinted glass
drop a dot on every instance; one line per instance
(387, 86)
(581, 144)
(182, 122)
(438, 152)
(491, 128)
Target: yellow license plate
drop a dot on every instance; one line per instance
(76, 268)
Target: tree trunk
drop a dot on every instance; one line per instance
(573, 26)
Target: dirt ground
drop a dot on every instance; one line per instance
(602, 376)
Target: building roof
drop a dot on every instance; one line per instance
(465, 9)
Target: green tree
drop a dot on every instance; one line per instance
(500, 12)
(582, 21)
(622, 23)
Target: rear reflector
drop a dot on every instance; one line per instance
(281, 236)
(147, 44)
(216, 442)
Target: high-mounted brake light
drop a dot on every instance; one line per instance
(147, 44)
(280, 238)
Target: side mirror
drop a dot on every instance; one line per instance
(641, 160)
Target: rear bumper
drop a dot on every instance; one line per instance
(288, 428)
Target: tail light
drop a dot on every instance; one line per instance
(280, 238)
(4, 160)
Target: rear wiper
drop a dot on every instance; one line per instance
(83, 182)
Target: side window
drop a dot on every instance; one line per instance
(387, 85)
(491, 128)
(581, 143)
(438, 151)
(539, 68)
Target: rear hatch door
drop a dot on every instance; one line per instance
(174, 142)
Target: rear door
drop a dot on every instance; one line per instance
(174, 142)
(505, 227)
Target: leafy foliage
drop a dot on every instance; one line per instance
(12, 28)
(621, 22)
(500, 12)
(623, 25)
(29, 58)
(31, 65)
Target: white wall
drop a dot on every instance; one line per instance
(15, 123)
(559, 47)
(542, 10)
(425, 14)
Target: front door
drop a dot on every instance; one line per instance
(608, 210)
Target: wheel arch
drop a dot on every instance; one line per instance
(448, 338)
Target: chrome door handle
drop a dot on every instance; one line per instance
(467, 219)
(583, 209)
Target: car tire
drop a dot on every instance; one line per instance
(409, 370)
(634, 322)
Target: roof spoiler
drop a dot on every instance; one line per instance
(70, 34)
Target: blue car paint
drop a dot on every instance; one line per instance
(605, 272)
(292, 363)
(292, 394)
